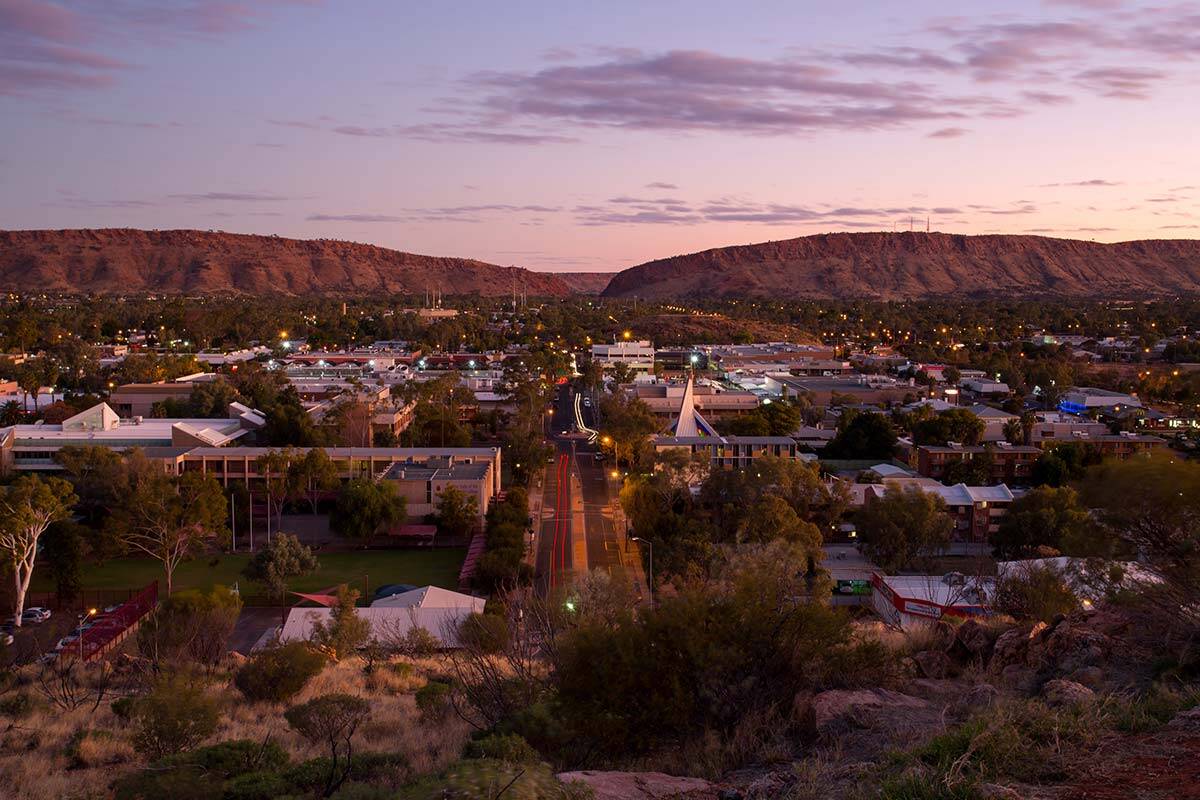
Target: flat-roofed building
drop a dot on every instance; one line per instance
(33, 447)
(664, 398)
(138, 399)
(733, 452)
(1084, 399)
(637, 355)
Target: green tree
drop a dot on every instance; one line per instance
(345, 631)
(366, 507)
(174, 717)
(1043, 517)
(28, 507)
(773, 518)
(866, 435)
(457, 513)
(954, 425)
(902, 527)
(167, 517)
(279, 478)
(190, 627)
(62, 553)
(331, 720)
(283, 559)
(313, 474)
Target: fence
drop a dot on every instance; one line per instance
(112, 628)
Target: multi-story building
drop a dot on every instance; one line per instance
(975, 510)
(1009, 463)
(664, 398)
(732, 452)
(637, 355)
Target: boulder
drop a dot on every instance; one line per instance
(979, 696)
(1070, 646)
(1020, 678)
(972, 638)
(637, 785)
(839, 709)
(933, 663)
(1091, 677)
(1066, 693)
(1013, 646)
(1188, 720)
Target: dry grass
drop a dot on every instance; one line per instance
(54, 754)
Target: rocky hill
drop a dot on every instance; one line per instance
(920, 265)
(127, 260)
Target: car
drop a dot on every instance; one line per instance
(36, 615)
(6, 639)
(66, 641)
(599, 456)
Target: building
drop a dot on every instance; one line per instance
(994, 421)
(663, 398)
(439, 611)
(681, 359)
(33, 447)
(637, 355)
(1086, 399)
(732, 452)
(911, 601)
(139, 399)
(984, 387)
(767, 356)
(1009, 463)
(421, 484)
(823, 390)
(228, 464)
(976, 510)
(1120, 446)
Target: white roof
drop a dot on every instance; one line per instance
(431, 597)
(890, 471)
(987, 412)
(960, 494)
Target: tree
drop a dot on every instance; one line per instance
(772, 518)
(628, 425)
(166, 517)
(190, 627)
(867, 435)
(903, 526)
(954, 425)
(1034, 591)
(174, 717)
(345, 631)
(279, 479)
(313, 474)
(281, 560)
(331, 720)
(27, 508)
(1150, 507)
(62, 553)
(457, 513)
(101, 477)
(1044, 517)
(1014, 432)
(366, 507)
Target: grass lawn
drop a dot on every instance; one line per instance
(438, 567)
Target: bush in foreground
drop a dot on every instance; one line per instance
(278, 674)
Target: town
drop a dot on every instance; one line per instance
(586, 530)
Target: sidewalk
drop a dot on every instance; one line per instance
(536, 492)
(632, 564)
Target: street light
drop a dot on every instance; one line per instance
(91, 612)
(650, 572)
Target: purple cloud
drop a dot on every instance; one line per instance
(1095, 182)
(948, 133)
(236, 197)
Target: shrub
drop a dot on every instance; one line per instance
(175, 716)
(122, 708)
(433, 699)
(1152, 709)
(484, 633)
(345, 630)
(502, 747)
(280, 673)
(234, 770)
(17, 706)
(190, 626)
(331, 719)
(477, 779)
(1040, 593)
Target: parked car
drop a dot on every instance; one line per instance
(6, 639)
(36, 615)
(66, 641)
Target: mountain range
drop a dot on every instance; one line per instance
(128, 260)
(885, 266)
(893, 266)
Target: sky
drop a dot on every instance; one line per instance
(572, 136)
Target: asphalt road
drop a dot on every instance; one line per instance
(558, 530)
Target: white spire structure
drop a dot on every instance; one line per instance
(690, 422)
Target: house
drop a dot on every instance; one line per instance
(985, 388)
(975, 510)
(994, 421)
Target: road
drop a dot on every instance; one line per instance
(576, 532)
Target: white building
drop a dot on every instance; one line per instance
(638, 355)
